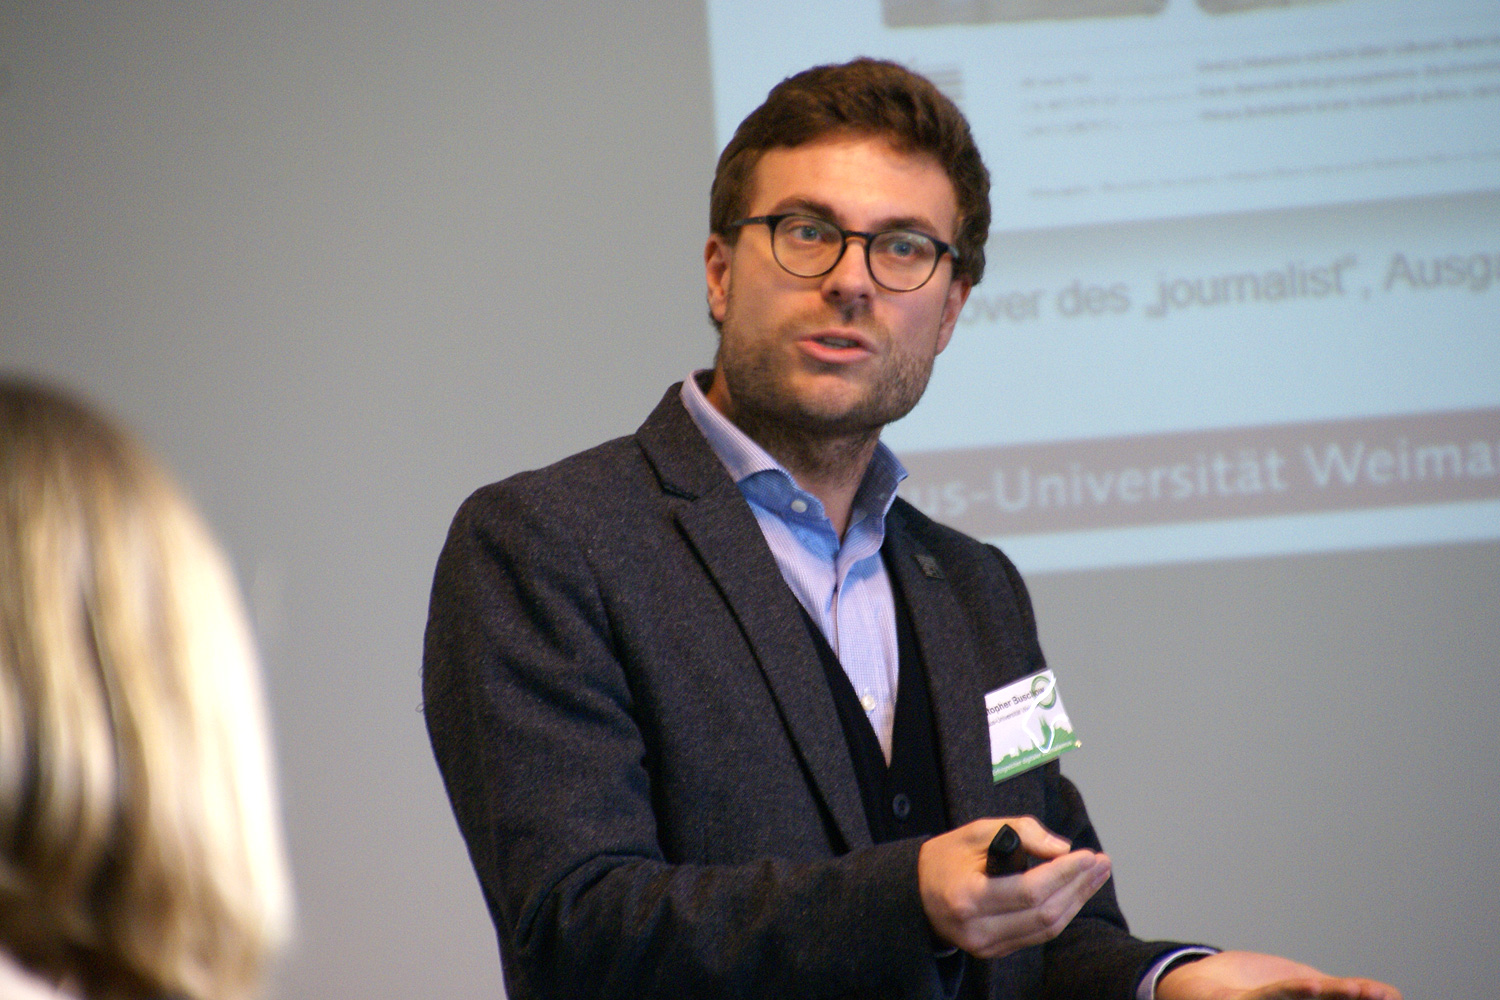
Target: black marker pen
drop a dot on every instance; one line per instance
(1005, 855)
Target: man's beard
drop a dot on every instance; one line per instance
(770, 412)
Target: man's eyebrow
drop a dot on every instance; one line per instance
(917, 223)
(799, 205)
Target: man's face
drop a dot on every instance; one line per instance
(835, 355)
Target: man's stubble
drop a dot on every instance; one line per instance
(801, 431)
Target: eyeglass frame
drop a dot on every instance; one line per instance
(772, 221)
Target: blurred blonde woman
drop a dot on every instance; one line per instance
(140, 847)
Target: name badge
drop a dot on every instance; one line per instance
(1028, 725)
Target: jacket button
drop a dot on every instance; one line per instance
(901, 805)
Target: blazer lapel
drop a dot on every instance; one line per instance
(952, 675)
(718, 524)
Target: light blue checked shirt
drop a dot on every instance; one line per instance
(843, 585)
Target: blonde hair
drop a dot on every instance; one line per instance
(140, 845)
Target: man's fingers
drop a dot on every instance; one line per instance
(1320, 987)
(1037, 911)
(1083, 871)
(1034, 907)
(1253, 976)
(1038, 841)
(990, 917)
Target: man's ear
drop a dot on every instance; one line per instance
(958, 294)
(717, 256)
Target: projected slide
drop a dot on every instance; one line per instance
(1244, 285)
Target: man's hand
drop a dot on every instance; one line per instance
(1245, 975)
(991, 917)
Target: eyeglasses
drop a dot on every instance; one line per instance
(900, 260)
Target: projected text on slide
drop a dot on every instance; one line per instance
(1243, 293)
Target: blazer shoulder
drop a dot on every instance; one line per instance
(980, 573)
(599, 504)
(598, 472)
(950, 546)
(666, 456)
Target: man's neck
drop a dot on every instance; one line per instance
(829, 467)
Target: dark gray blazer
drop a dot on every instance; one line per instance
(646, 763)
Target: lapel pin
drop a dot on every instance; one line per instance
(930, 567)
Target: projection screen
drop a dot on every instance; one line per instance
(1244, 268)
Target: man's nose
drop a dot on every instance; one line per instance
(850, 281)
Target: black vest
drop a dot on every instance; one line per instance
(904, 799)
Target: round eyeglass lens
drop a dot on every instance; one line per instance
(807, 247)
(902, 260)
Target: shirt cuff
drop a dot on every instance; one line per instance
(1147, 988)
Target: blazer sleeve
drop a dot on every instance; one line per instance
(529, 706)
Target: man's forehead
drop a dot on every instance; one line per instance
(829, 167)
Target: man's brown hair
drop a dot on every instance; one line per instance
(865, 97)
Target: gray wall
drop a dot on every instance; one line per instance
(342, 264)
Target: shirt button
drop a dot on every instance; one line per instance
(867, 703)
(799, 506)
(901, 805)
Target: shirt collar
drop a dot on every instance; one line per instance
(756, 473)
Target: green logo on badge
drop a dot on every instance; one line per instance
(1044, 691)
